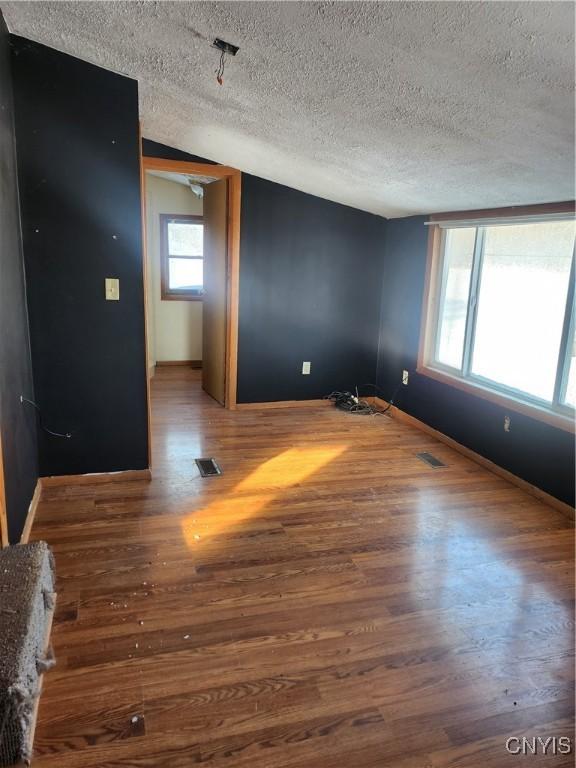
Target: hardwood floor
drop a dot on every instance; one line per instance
(330, 601)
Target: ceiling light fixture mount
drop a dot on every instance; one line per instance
(222, 45)
(224, 48)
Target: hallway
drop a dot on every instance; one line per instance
(328, 601)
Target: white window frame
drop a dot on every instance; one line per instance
(556, 413)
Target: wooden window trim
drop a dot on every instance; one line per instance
(556, 418)
(165, 292)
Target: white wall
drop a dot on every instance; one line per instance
(174, 327)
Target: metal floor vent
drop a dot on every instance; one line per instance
(208, 467)
(430, 459)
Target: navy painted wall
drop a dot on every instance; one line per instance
(310, 277)
(19, 447)
(155, 149)
(532, 450)
(78, 163)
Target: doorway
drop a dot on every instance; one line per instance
(191, 270)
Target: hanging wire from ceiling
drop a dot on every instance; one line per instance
(220, 70)
(225, 49)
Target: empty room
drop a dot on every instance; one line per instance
(287, 384)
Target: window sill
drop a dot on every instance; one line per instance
(554, 418)
(180, 297)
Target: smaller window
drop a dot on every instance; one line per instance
(182, 256)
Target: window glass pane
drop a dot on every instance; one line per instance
(185, 274)
(458, 256)
(521, 304)
(570, 396)
(570, 393)
(185, 239)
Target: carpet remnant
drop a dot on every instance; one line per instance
(26, 600)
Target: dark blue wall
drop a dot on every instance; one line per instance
(19, 447)
(532, 450)
(155, 149)
(79, 172)
(310, 277)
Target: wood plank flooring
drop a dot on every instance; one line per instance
(330, 601)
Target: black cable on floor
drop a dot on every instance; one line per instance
(350, 403)
(392, 399)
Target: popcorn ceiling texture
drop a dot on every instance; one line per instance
(396, 108)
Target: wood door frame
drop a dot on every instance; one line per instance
(233, 253)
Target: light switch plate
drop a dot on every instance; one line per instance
(305, 368)
(112, 286)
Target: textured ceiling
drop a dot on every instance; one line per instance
(396, 108)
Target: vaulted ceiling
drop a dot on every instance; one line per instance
(392, 107)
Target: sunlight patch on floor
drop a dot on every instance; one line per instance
(261, 486)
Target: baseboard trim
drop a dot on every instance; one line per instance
(533, 490)
(96, 478)
(31, 514)
(188, 363)
(283, 404)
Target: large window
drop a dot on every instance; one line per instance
(501, 309)
(182, 255)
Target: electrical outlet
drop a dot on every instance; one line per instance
(305, 369)
(507, 423)
(405, 378)
(112, 289)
